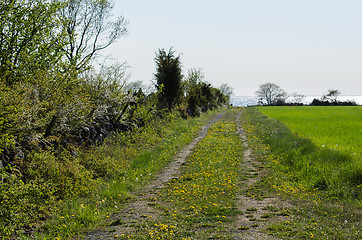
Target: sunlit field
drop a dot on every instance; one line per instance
(314, 158)
(336, 128)
(319, 148)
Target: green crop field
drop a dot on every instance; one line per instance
(314, 157)
(318, 148)
(336, 128)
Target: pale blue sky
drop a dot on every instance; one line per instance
(305, 46)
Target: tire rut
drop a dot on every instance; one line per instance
(141, 208)
(256, 212)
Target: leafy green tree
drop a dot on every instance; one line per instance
(168, 77)
(193, 91)
(11, 109)
(200, 96)
(194, 76)
(29, 38)
(89, 29)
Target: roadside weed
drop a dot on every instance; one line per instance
(201, 202)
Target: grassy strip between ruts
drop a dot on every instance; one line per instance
(201, 202)
(317, 212)
(78, 215)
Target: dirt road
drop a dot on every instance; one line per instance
(249, 224)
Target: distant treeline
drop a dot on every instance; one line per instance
(317, 102)
(270, 94)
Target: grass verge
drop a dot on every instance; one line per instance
(138, 158)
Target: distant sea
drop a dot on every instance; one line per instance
(244, 101)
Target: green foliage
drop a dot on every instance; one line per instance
(29, 38)
(168, 77)
(64, 173)
(44, 101)
(200, 95)
(9, 115)
(193, 95)
(113, 157)
(105, 89)
(34, 194)
(194, 77)
(22, 202)
(142, 153)
(61, 103)
(49, 94)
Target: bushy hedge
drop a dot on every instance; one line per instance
(55, 116)
(317, 102)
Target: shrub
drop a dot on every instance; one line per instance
(64, 173)
(23, 203)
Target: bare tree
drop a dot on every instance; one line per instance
(297, 98)
(270, 93)
(135, 86)
(332, 95)
(226, 89)
(89, 29)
